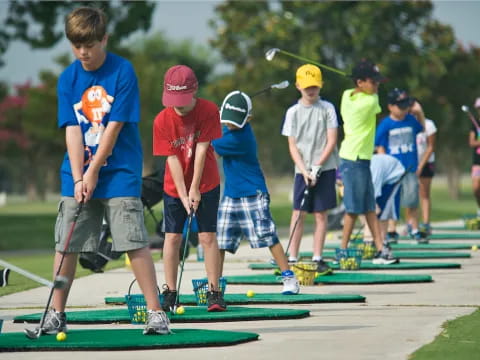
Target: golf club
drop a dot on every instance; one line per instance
(59, 283)
(467, 111)
(36, 333)
(281, 85)
(270, 54)
(182, 263)
(302, 203)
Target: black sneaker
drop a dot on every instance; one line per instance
(421, 237)
(382, 258)
(392, 237)
(169, 298)
(215, 301)
(4, 277)
(323, 268)
(54, 322)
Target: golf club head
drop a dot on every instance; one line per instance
(60, 282)
(282, 85)
(32, 334)
(270, 54)
(465, 108)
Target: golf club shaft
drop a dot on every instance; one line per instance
(26, 273)
(67, 243)
(302, 203)
(182, 264)
(261, 91)
(473, 120)
(326, 67)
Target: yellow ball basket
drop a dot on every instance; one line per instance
(200, 288)
(368, 250)
(349, 259)
(472, 224)
(305, 272)
(137, 306)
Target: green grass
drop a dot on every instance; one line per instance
(40, 263)
(458, 340)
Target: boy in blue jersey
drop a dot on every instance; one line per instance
(98, 106)
(396, 135)
(245, 206)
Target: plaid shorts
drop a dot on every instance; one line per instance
(248, 216)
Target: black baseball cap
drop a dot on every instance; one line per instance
(400, 98)
(366, 69)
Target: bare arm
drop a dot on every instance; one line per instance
(177, 175)
(74, 141)
(200, 156)
(105, 148)
(331, 143)
(380, 150)
(472, 140)
(298, 160)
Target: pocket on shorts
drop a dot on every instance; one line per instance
(132, 214)
(59, 222)
(263, 223)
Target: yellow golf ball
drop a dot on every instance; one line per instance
(180, 310)
(250, 293)
(61, 336)
(474, 248)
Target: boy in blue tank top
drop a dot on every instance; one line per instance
(98, 106)
(245, 207)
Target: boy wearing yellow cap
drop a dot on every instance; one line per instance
(311, 127)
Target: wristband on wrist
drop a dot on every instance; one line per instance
(77, 181)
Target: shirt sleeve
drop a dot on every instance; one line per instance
(210, 125)
(380, 137)
(161, 141)
(229, 145)
(332, 122)
(430, 127)
(126, 106)
(66, 114)
(287, 129)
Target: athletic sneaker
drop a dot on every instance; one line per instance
(323, 268)
(55, 322)
(169, 298)
(157, 323)
(290, 283)
(215, 301)
(421, 237)
(4, 277)
(426, 228)
(384, 258)
(392, 237)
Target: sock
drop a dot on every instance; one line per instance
(292, 259)
(287, 273)
(414, 231)
(316, 258)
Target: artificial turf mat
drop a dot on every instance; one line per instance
(335, 278)
(448, 236)
(415, 246)
(123, 339)
(264, 298)
(368, 265)
(403, 254)
(192, 314)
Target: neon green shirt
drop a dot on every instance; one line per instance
(359, 120)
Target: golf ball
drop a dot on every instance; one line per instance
(61, 336)
(180, 310)
(250, 293)
(474, 247)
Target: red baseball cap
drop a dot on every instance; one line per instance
(179, 85)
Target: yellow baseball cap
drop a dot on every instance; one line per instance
(309, 75)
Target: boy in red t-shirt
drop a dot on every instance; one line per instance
(183, 132)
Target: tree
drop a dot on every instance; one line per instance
(413, 50)
(36, 22)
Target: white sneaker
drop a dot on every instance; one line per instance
(290, 285)
(157, 323)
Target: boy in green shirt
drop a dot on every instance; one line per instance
(359, 108)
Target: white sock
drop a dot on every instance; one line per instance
(316, 258)
(292, 259)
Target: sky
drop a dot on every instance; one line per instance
(189, 20)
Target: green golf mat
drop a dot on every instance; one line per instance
(335, 278)
(123, 339)
(368, 265)
(451, 228)
(447, 236)
(192, 314)
(402, 254)
(415, 246)
(264, 298)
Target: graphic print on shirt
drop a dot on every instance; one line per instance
(91, 110)
(185, 144)
(400, 141)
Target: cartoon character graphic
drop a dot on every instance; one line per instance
(91, 109)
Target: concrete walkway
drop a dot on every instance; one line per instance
(394, 322)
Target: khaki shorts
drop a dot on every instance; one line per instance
(124, 215)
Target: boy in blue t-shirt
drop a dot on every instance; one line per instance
(245, 206)
(98, 106)
(396, 135)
